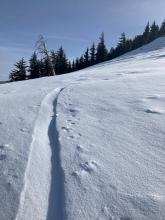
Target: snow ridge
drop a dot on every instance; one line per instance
(43, 193)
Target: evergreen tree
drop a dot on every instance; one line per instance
(137, 42)
(121, 47)
(77, 64)
(162, 29)
(111, 54)
(81, 63)
(154, 32)
(69, 68)
(41, 64)
(53, 59)
(128, 45)
(73, 66)
(19, 73)
(34, 67)
(122, 40)
(46, 67)
(86, 58)
(102, 52)
(92, 54)
(61, 62)
(146, 34)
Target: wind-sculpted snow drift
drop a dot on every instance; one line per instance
(87, 145)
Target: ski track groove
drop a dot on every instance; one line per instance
(56, 209)
(56, 197)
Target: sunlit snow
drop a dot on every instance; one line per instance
(89, 145)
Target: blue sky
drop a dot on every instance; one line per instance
(75, 24)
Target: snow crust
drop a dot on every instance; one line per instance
(87, 145)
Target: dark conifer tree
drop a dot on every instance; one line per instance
(73, 66)
(128, 45)
(86, 58)
(34, 67)
(121, 47)
(122, 40)
(61, 62)
(19, 73)
(42, 67)
(137, 42)
(92, 54)
(81, 63)
(102, 52)
(53, 59)
(77, 64)
(47, 69)
(162, 29)
(111, 54)
(69, 68)
(154, 32)
(146, 34)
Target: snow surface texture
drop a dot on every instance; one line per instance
(87, 145)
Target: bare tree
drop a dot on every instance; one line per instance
(41, 48)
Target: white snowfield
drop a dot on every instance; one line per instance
(89, 145)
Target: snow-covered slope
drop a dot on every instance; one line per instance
(87, 145)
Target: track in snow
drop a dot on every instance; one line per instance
(56, 209)
(43, 194)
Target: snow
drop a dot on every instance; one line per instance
(87, 145)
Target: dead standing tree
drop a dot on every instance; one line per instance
(41, 48)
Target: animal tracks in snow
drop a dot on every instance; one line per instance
(85, 168)
(70, 124)
(65, 129)
(24, 130)
(89, 166)
(80, 148)
(69, 121)
(73, 112)
(69, 130)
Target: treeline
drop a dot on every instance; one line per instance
(41, 67)
(95, 54)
